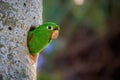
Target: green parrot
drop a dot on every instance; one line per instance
(40, 37)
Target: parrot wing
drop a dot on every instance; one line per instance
(28, 40)
(33, 57)
(30, 35)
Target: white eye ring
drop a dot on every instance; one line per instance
(49, 27)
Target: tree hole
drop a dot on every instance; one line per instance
(24, 4)
(9, 28)
(34, 17)
(32, 28)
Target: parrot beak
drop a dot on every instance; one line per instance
(55, 34)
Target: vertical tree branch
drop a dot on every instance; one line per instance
(16, 18)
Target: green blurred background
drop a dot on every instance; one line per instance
(88, 47)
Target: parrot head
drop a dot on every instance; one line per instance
(51, 29)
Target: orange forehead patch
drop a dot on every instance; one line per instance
(55, 34)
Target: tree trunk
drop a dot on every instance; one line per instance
(16, 18)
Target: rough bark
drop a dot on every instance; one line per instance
(16, 18)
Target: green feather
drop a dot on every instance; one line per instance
(40, 37)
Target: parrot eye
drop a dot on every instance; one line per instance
(50, 27)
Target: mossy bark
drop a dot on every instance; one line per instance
(16, 18)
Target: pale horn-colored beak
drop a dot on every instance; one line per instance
(55, 34)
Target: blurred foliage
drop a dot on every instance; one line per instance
(92, 12)
(45, 76)
(100, 16)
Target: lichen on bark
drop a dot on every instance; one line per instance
(16, 17)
